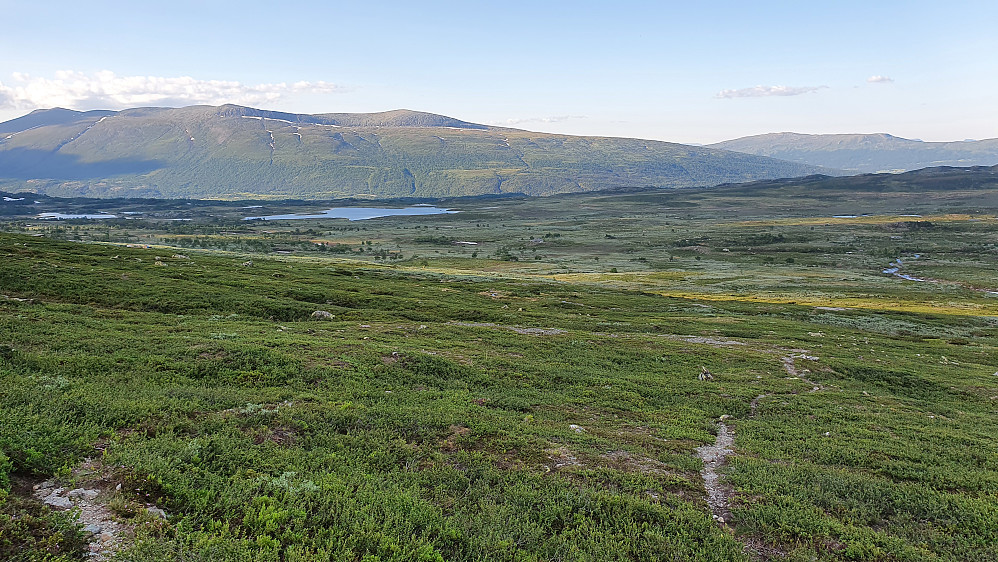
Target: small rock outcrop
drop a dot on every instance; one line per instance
(322, 315)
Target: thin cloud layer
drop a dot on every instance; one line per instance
(106, 90)
(878, 79)
(767, 91)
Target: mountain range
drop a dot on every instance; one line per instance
(866, 153)
(236, 152)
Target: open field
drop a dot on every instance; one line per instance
(535, 395)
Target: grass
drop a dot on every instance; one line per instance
(476, 408)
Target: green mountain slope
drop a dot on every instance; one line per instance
(866, 153)
(46, 117)
(232, 151)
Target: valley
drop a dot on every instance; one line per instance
(702, 374)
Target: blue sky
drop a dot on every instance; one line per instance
(676, 71)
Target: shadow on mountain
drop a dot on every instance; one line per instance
(26, 164)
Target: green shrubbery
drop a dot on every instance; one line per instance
(473, 417)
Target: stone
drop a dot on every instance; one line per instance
(93, 529)
(576, 428)
(322, 315)
(82, 493)
(156, 512)
(57, 501)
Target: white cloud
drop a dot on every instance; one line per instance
(878, 79)
(552, 119)
(106, 90)
(766, 91)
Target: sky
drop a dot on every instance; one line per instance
(692, 72)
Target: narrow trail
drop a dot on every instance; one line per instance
(713, 457)
(107, 535)
(95, 487)
(791, 368)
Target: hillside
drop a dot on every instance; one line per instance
(865, 153)
(938, 179)
(240, 152)
(779, 371)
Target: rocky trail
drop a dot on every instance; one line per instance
(108, 531)
(713, 457)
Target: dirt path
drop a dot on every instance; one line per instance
(791, 368)
(108, 533)
(713, 457)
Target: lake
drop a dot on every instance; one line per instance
(358, 213)
(59, 216)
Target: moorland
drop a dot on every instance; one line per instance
(791, 370)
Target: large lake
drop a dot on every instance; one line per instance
(358, 213)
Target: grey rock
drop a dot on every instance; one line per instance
(55, 500)
(156, 512)
(322, 315)
(93, 528)
(82, 493)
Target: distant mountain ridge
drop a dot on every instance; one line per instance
(866, 153)
(235, 152)
(45, 117)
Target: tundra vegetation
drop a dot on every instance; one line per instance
(541, 394)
